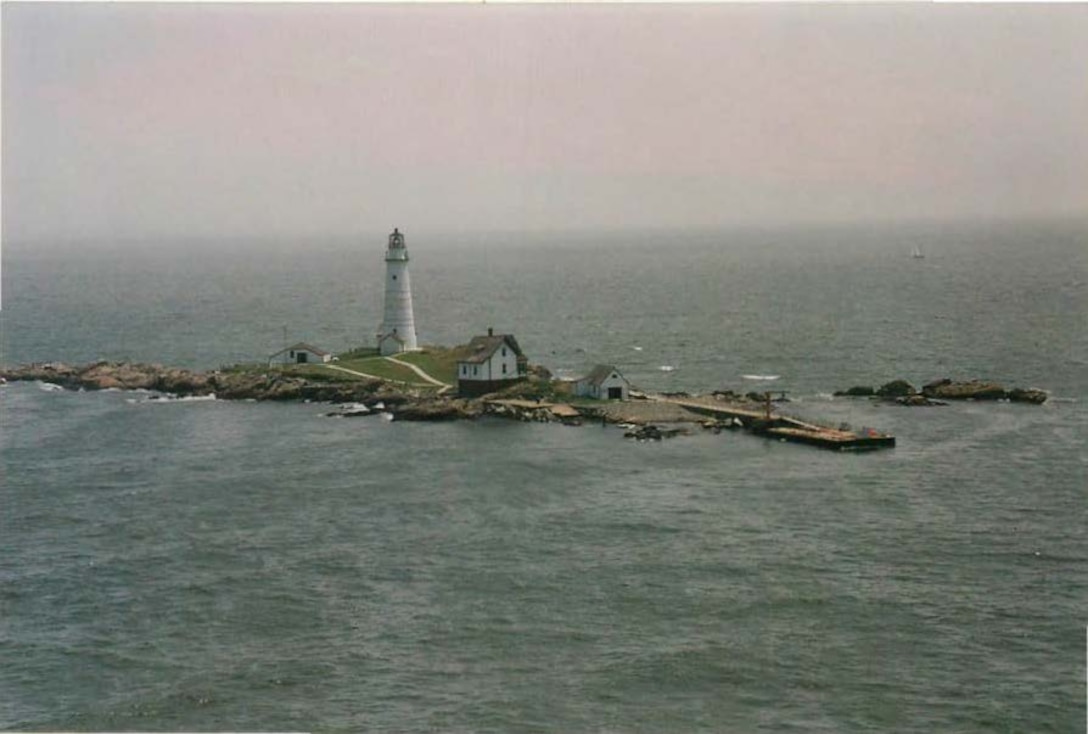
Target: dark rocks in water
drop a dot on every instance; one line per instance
(1027, 395)
(903, 393)
(917, 401)
(946, 389)
(761, 397)
(896, 389)
(858, 391)
(438, 410)
(651, 432)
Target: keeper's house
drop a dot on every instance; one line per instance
(494, 361)
(300, 353)
(604, 382)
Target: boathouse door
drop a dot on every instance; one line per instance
(615, 393)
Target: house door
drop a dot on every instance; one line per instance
(300, 357)
(615, 393)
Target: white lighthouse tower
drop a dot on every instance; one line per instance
(398, 330)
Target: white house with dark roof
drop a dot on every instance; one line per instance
(493, 362)
(604, 382)
(300, 353)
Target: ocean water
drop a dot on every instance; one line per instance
(209, 565)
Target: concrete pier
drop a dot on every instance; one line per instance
(784, 428)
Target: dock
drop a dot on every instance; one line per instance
(784, 428)
(657, 409)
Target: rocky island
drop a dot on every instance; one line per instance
(537, 397)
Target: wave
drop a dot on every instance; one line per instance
(49, 386)
(175, 399)
(666, 368)
(760, 377)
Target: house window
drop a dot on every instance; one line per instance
(504, 351)
(504, 368)
(475, 370)
(394, 277)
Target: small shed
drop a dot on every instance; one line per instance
(300, 353)
(604, 382)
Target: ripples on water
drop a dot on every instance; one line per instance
(212, 565)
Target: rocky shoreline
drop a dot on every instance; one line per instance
(530, 401)
(902, 392)
(247, 384)
(534, 400)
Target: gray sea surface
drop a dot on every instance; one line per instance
(209, 565)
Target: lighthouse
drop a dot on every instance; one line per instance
(398, 330)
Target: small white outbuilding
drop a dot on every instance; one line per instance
(300, 353)
(604, 382)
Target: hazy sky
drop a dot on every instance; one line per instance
(138, 120)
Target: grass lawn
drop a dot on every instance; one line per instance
(380, 367)
(318, 372)
(359, 353)
(438, 362)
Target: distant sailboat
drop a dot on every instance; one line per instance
(917, 253)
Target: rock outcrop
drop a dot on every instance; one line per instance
(947, 389)
(442, 409)
(654, 433)
(247, 384)
(896, 389)
(973, 390)
(1027, 395)
(917, 401)
(858, 391)
(903, 393)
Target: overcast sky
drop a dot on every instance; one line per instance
(139, 121)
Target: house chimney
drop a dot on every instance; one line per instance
(490, 331)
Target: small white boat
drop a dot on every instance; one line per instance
(916, 253)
